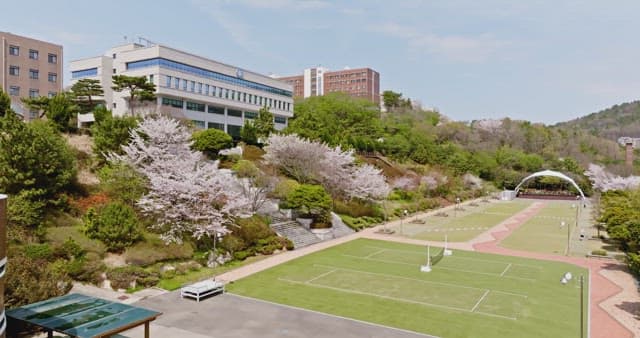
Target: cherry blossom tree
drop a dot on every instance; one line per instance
(404, 183)
(334, 168)
(604, 181)
(295, 156)
(188, 195)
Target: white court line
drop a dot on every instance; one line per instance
(505, 270)
(330, 315)
(321, 275)
(456, 257)
(485, 273)
(390, 298)
(479, 301)
(441, 267)
(375, 253)
(417, 280)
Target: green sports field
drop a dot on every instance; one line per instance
(461, 226)
(468, 294)
(547, 230)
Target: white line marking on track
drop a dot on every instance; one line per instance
(480, 300)
(505, 270)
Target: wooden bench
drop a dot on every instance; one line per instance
(202, 289)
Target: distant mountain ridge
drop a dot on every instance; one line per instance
(611, 123)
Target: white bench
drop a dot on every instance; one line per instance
(202, 289)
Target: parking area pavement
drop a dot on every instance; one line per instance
(235, 316)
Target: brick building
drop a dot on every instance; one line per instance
(30, 68)
(359, 82)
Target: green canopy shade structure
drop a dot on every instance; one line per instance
(82, 316)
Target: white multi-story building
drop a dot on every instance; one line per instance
(207, 92)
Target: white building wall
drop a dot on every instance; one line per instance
(115, 62)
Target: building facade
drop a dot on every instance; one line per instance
(30, 68)
(361, 82)
(209, 93)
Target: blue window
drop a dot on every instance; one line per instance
(250, 115)
(280, 119)
(206, 89)
(198, 124)
(176, 83)
(216, 110)
(213, 90)
(84, 73)
(196, 106)
(171, 102)
(168, 84)
(233, 112)
(184, 84)
(214, 125)
(234, 80)
(193, 86)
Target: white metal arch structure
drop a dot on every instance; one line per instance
(550, 173)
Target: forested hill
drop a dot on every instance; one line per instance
(611, 123)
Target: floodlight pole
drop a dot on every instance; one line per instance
(581, 306)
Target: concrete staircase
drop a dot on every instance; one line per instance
(299, 235)
(339, 228)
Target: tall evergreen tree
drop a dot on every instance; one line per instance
(138, 87)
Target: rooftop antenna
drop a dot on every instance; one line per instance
(125, 38)
(147, 42)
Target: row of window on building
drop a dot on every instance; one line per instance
(342, 76)
(220, 92)
(211, 109)
(33, 54)
(15, 91)
(33, 74)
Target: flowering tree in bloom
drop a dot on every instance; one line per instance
(335, 169)
(404, 183)
(604, 181)
(187, 194)
(295, 156)
(472, 181)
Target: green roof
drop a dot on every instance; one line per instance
(78, 315)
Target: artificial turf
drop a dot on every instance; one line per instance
(468, 294)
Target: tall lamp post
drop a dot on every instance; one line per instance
(455, 210)
(404, 214)
(565, 279)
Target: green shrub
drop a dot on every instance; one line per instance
(168, 274)
(153, 250)
(211, 141)
(116, 225)
(241, 255)
(110, 134)
(356, 208)
(599, 252)
(57, 236)
(69, 249)
(633, 260)
(284, 188)
(34, 157)
(38, 251)
(32, 280)
(121, 182)
(26, 209)
(124, 277)
(311, 201)
(86, 269)
(147, 282)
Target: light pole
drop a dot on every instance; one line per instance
(565, 279)
(455, 210)
(404, 214)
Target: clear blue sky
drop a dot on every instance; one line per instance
(544, 61)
